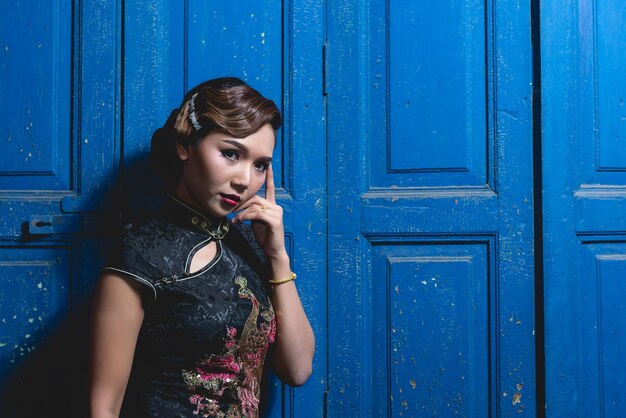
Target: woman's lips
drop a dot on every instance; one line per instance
(230, 199)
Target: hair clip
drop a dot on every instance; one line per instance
(192, 113)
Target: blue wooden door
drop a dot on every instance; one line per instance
(58, 129)
(430, 209)
(84, 85)
(405, 171)
(584, 163)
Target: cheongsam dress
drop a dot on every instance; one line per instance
(205, 334)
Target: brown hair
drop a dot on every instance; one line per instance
(226, 105)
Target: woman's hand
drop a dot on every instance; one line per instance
(267, 219)
(294, 347)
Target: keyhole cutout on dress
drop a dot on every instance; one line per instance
(203, 257)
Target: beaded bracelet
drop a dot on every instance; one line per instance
(291, 277)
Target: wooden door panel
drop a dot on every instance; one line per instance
(422, 138)
(430, 130)
(584, 165)
(35, 97)
(602, 304)
(606, 21)
(34, 287)
(430, 304)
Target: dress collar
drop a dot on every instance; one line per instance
(180, 213)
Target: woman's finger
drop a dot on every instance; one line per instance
(257, 212)
(270, 189)
(254, 200)
(251, 205)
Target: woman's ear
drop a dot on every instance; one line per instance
(182, 151)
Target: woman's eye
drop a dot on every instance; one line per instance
(262, 166)
(230, 154)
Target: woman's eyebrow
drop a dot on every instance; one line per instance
(244, 149)
(239, 145)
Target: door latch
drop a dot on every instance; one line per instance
(56, 224)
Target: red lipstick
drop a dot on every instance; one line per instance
(230, 199)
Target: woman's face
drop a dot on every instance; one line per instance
(221, 172)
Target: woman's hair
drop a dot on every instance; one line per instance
(227, 105)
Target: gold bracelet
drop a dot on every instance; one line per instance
(291, 277)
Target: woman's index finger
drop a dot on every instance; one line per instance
(270, 190)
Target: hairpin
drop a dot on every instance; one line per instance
(192, 113)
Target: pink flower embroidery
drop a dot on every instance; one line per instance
(207, 407)
(237, 371)
(231, 333)
(249, 401)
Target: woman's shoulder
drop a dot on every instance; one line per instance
(140, 244)
(143, 229)
(145, 234)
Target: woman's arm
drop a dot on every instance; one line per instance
(295, 342)
(117, 317)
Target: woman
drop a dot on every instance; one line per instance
(194, 301)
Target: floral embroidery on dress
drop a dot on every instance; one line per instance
(238, 369)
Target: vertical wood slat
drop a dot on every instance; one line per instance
(584, 199)
(153, 78)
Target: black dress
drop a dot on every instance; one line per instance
(203, 341)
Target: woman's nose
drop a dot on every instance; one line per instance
(242, 178)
